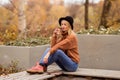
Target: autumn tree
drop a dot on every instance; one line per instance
(18, 9)
(113, 20)
(22, 18)
(8, 23)
(37, 14)
(105, 13)
(86, 14)
(73, 9)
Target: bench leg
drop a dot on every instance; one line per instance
(108, 79)
(89, 78)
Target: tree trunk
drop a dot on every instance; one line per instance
(86, 13)
(22, 19)
(105, 13)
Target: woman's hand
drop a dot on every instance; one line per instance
(45, 60)
(57, 32)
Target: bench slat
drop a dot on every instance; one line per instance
(26, 76)
(95, 73)
(55, 70)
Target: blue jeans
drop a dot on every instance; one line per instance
(61, 59)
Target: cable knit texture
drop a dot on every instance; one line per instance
(68, 44)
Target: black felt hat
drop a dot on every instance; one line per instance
(67, 18)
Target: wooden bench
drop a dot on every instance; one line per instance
(54, 71)
(97, 73)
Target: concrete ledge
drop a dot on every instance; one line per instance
(99, 51)
(96, 52)
(26, 56)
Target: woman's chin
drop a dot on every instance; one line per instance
(64, 32)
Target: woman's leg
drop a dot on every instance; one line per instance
(61, 59)
(50, 59)
(65, 62)
(41, 60)
(38, 68)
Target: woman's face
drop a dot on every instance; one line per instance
(65, 26)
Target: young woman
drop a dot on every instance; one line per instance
(63, 50)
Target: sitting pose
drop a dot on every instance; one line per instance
(63, 50)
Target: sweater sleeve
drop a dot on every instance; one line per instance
(53, 41)
(68, 43)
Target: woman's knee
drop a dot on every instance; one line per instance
(59, 51)
(47, 49)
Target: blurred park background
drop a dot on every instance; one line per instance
(38, 18)
(31, 22)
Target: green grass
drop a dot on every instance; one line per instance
(29, 41)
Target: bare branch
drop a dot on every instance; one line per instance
(13, 4)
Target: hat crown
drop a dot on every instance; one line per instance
(70, 19)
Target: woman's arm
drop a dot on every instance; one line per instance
(68, 43)
(56, 37)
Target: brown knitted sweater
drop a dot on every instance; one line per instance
(68, 44)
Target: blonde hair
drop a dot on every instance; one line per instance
(70, 31)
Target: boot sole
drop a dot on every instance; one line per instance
(35, 72)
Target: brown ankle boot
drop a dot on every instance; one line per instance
(37, 69)
(45, 68)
